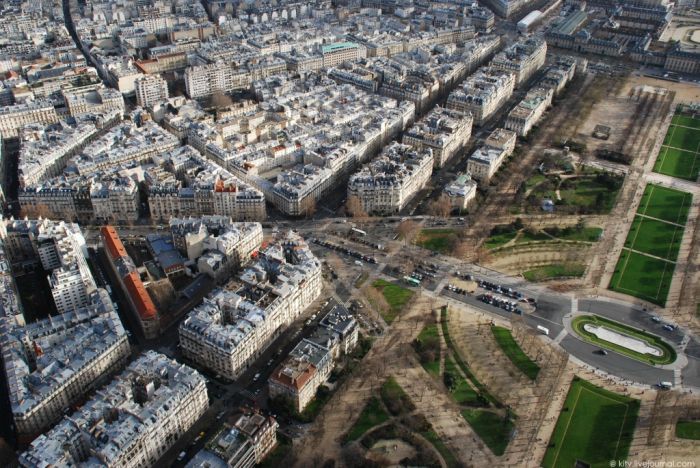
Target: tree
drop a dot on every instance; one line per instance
(408, 230)
(308, 207)
(376, 299)
(40, 210)
(354, 207)
(219, 99)
(441, 208)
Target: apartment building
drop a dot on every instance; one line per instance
(45, 149)
(528, 112)
(233, 326)
(242, 444)
(338, 52)
(387, 184)
(140, 302)
(16, 116)
(124, 143)
(216, 243)
(523, 59)
(52, 363)
(483, 93)
(115, 199)
(486, 160)
(211, 189)
(150, 89)
(94, 100)
(299, 376)
(131, 422)
(461, 191)
(60, 248)
(297, 379)
(442, 130)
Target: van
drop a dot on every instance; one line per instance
(357, 262)
(665, 385)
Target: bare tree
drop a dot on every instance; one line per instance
(308, 207)
(408, 230)
(219, 99)
(441, 208)
(376, 299)
(39, 210)
(355, 208)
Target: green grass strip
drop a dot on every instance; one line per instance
(688, 430)
(462, 364)
(510, 347)
(372, 415)
(492, 428)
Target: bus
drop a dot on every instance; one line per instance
(358, 231)
(411, 281)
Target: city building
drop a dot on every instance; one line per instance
(299, 376)
(243, 444)
(339, 52)
(186, 183)
(483, 93)
(486, 160)
(45, 149)
(523, 59)
(233, 326)
(52, 363)
(444, 131)
(150, 89)
(297, 379)
(131, 422)
(216, 243)
(16, 116)
(94, 100)
(529, 111)
(390, 181)
(142, 307)
(461, 192)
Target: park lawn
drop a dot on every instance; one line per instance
(668, 356)
(555, 270)
(678, 163)
(529, 236)
(642, 276)
(510, 347)
(462, 392)
(587, 234)
(429, 335)
(654, 237)
(397, 297)
(395, 398)
(688, 430)
(684, 138)
(498, 240)
(583, 192)
(685, 121)
(595, 426)
(665, 203)
(437, 240)
(534, 180)
(372, 415)
(492, 428)
(483, 391)
(447, 455)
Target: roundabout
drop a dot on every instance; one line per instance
(623, 339)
